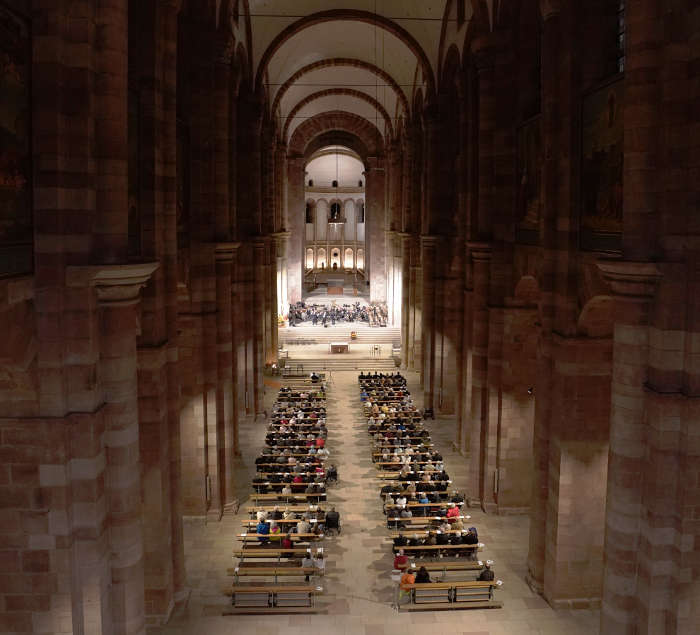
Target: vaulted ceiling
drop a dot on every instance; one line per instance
(367, 58)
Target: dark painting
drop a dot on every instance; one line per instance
(601, 167)
(15, 149)
(529, 185)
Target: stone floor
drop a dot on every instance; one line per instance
(358, 592)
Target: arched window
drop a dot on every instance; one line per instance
(335, 211)
(348, 258)
(321, 258)
(361, 212)
(311, 182)
(335, 184)
(309, 258)
(335, 258)
(359, 183)
(360, 258)
(310, 212)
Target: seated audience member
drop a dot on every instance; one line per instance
(286, 542)
(407, 578)
(401, 560)
(333, 519)
(486, 574)
(263, 530)
(307, 563)
(422, 576)
(320, 563)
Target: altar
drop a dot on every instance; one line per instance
(339, 347)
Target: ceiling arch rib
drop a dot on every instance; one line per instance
(345, 33)
(343, 103)
(316, 73)
(418, 23)
(342, 95)
(336, 128)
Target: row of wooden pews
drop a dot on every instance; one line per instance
(425, 517)
(281, 552)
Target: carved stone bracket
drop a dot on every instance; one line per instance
(224, 252)
(115, 284)
(631, 279)
(479, 251)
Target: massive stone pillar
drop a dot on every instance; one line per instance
(481, 481)
(111, 125)
(118, 296)
(257, 331)
(428, 253)
(406, 307)
(375, 183)
(634, 285)
(295, 206)
(223, 482)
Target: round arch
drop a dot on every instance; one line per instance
(347, 15)
(352, 125)
(340, 61)
(357, 94)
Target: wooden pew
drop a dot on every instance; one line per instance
(458, 594)
(274, 598)
(438, 548)
(274, 496)
(252, 538)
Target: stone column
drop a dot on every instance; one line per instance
(169, 28)
(258, 326)
(296, 223)
(428, 249)
(479, 481)
(223, 482)
(464, 430)
(406, 307)
(118, 289)
(223, 224)
(111, 125)
(281, 250)
(551, 126)
(416, 323)
(634, 285)
(272, 302)
(375, 181)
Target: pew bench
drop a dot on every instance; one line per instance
(438, 549)
(463, 594)
(274, 598)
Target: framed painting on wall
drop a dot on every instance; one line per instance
(16, 233)
(602, 152)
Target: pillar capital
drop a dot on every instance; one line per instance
(281, 241)
(224, 252)
(479, 251)
(631, 279)
(115, 284)
(550, 8)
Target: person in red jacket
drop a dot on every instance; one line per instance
(452, 512)
(320, 442)
(401, 561)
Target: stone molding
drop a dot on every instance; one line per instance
(281, 240)
(631, 279)
(224, 252)
(115, 284)
(479, 251)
